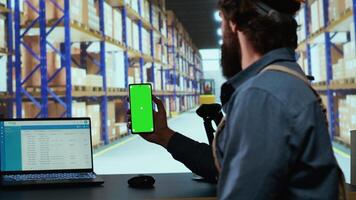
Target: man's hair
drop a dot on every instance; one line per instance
(267, 31)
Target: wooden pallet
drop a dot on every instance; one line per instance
(320, 85)
(115, 42)
(349, 83)
(117, 92)
(96, 146)
(77, 91)
(85, 27)
(4, 95)
(124, 135)
(113, 139)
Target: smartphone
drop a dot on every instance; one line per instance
(141, 105)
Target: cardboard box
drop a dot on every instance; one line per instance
(117, 26)
(129, 32)
(120, 111)
(121, 129)
(93, 16)
(55, 110)
(108, 17)
(119, 70)
(94, 80)
(135, 36)
(29, 62)
(79, 109)
(94, 113)
(2, 32)
(3, 74)
(111, 120)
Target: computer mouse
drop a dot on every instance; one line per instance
(141, 182)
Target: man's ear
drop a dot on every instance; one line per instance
(233, 27)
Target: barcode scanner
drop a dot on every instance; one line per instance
(210, 113)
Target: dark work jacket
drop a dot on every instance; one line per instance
(275, 144)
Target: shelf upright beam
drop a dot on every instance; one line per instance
(68, 58)
(174, 64)
(140, 38)
(18, 96)
(104, 99)
(329, 72)
(307, 34)
(10, 67)
(162, 45)
(43, 59)
(124, 39)
(354, 15)
(152, 45)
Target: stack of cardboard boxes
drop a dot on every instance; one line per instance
(115, 70)
(347, 117)
(93, 111)
(108, 19)
(2, 31)
(317, 16)
(117, 25)
(146, 42)
(346, 66)
(3, 75)
(318, 62)
(92, 15)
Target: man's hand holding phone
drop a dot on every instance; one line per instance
(162, 133)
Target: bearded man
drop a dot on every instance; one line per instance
(273, 142)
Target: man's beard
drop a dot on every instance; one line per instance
(230, 54)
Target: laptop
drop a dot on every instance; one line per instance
(46, 152)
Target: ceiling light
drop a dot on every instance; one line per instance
(221, 42)
(219, 32)
(217, 16)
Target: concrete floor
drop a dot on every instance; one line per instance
(136, 156)
(133, 155)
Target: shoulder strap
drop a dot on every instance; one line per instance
(288, 71)
(296, 74)
(280, 68)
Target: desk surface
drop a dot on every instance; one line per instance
(167, 186)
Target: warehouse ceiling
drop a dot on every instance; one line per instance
(197, 16)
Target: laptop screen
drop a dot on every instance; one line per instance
(42, 145)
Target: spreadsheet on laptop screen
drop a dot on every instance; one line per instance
(45, 145)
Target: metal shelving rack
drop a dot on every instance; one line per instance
(64, 52)
(7, 11)
(65, 25)
(329, 31)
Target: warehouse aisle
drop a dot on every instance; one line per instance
(135, 155)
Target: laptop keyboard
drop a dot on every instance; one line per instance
(49, 177)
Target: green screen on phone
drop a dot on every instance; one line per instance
(141, 108)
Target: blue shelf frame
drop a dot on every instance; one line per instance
(140, 37)
(42, 104)
(104, 99)
(152, 46)
(10, 64)
(329, 72)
